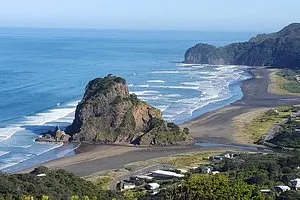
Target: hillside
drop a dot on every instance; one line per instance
(280, 49)
(108, 113)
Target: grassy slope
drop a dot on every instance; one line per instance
(251, 126)
(278, 83)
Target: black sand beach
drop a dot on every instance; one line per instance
(212, 127)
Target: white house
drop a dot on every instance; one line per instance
(206, 170)
(218, 158)
(281, 188)
(146, 177)
(228, 155)
(152, 186)
(296, 183)
(128, 186)
(265, 191)
(41, 175)
(166, 174)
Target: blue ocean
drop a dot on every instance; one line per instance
(43, 74)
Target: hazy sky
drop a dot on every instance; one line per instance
(244, 15)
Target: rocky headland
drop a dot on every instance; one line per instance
(108, 113)
(280, 49)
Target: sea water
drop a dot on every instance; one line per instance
(43, 74)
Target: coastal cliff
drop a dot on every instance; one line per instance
(108, 113)
(280, 49)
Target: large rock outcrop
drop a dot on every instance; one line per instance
(280, 49)
(108, 113)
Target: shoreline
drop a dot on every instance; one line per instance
(211, 128)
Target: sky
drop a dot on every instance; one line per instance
(208, 15)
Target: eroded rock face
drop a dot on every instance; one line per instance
(54, 136)
(280, 49)
(108, 113)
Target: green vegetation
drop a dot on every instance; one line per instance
(168, 133)
(56, 185)
(241, 177)
(288, 134)
(252, 126)
(209, 187)
(263, 171)
(285, 81)
(102, 85)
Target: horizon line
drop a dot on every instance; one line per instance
(130, 29)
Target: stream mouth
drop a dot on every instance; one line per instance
(234, 146)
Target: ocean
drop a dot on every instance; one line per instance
(43, 74)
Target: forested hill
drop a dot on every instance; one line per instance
(279, 49)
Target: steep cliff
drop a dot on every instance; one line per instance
(108, 113)
(280, 49)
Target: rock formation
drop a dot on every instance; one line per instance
(280, 49)
(108, 113)
(54, 136)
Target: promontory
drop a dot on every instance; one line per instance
(279, 49)
(108, 113)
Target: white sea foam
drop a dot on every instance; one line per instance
(141, 86)
(162, 108)
(145, 92)
(175, 87)
(2, 153)
(6, 133)
(165, 72)
(155, 81)
(56, 115)
(51, 115)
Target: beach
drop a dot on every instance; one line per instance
(214, 130)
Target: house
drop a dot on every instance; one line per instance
(266, 191)
(218, 158)
(215, 172)
(152, 186)
(41, 175)
(166, 174)
(296, 183)
(154, 192)
(146, 177)
(183, 171)
(228, 155)
(297, 130)
(281, 188)
(128, 186)
(206, 170)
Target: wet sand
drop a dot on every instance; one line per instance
(212, 127)
(217, 126)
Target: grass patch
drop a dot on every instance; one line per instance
(104, 180)
(180, 161)
(283, 85)
(251, 126)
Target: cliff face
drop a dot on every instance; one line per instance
(280, 49)
(108, 113)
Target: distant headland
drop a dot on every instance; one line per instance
(279, 49)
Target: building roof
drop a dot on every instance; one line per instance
(154, 185)
(41, 175)
(144, 177)
(296, 182)
(265, 190)
(283, 187)
(168, 173)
